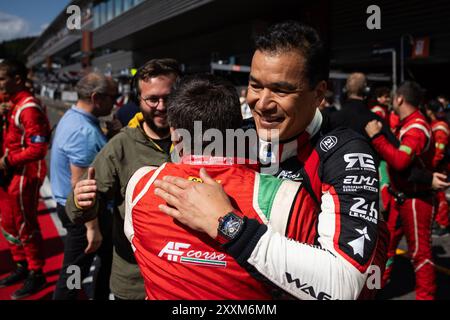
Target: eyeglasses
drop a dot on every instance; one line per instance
(153, 101)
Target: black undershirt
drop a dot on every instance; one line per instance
(164, 144)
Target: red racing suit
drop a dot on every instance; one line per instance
(393, 121)
(416, 144)
(317, 237)
(3, 99)
(178, 263)
(25, 140)
(441, 132)
(382, 110)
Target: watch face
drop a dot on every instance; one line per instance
(231, 225)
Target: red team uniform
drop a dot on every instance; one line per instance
(26, 138)
(394, 121)
(175, 260)
(381, 110)
(416, 144)
(441, 133)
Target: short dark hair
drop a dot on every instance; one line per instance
(382, 91)
(14, 68)
(411, 92)
(206, 98)
(291, 35)
(154, 68)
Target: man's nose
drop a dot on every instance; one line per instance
(161, 105)
(265, 101)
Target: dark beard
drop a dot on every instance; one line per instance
(158, 130)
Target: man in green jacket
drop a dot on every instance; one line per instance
(146, 143)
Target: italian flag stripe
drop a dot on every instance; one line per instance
(203, 261)
(267, 189)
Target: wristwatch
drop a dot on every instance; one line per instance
(230, 226)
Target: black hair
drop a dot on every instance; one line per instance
(292, 35)
(435, 106)
(14, 68)
(206, 98)
(382, 91)
(411, 92)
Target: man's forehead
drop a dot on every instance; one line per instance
(158, 80)
(271, 66)
(157, 85)
(271, 56)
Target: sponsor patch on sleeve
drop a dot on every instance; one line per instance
(38, 139)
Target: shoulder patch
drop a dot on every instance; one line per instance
(335, 140)
(328, 142)
(38, 139)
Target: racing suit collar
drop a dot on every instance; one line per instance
(412, 115)
(290, 148)
(19, 96)
(217, 161)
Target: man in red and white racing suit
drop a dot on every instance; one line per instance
(181, 264)
(441, 133)
(25, 145)
(414, 204)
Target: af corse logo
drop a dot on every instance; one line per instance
(173, 251)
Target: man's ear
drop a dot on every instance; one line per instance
(95, 98)
(177, 140)
(320, 90)
(173, 135)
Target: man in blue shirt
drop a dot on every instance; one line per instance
(78, 139)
